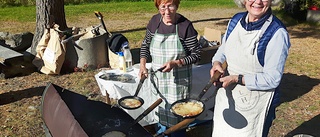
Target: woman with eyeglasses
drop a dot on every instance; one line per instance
(171, 42)
(255, 47)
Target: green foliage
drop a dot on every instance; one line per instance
(283, 16)
(314, 3)
(297, 9)
(12, 3)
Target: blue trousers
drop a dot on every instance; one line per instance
(270, 117)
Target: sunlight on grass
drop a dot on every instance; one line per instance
(18, 14)
(135, 38)
(28, 13)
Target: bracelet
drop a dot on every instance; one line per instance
(240, 79)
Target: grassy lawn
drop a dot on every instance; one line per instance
(24, 18)
(27, 14)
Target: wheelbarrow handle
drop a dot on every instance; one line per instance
(98, 14)
(100, 17)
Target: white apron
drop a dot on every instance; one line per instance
(238, 111)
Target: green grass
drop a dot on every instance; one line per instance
(20, 14)
(110, 11)
(28, 14)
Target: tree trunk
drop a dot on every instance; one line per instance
(49, 12)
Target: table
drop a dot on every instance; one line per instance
(117, 90)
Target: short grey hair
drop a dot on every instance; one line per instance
(240, 3)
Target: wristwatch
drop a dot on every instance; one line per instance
(240, 79)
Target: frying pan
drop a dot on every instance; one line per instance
(214, 78)
(185, 101)
(124, 130)
(134, 97)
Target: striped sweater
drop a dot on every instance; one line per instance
(187, 35)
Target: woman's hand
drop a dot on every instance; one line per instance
(171, 64)
(227, 80)
(143, 71)
(216, 68)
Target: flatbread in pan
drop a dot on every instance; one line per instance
(187, 108)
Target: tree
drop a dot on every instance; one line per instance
(48, 12)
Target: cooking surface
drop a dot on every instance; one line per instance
(98, 118)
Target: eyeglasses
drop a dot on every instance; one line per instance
(255, 0)
(164, 8)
